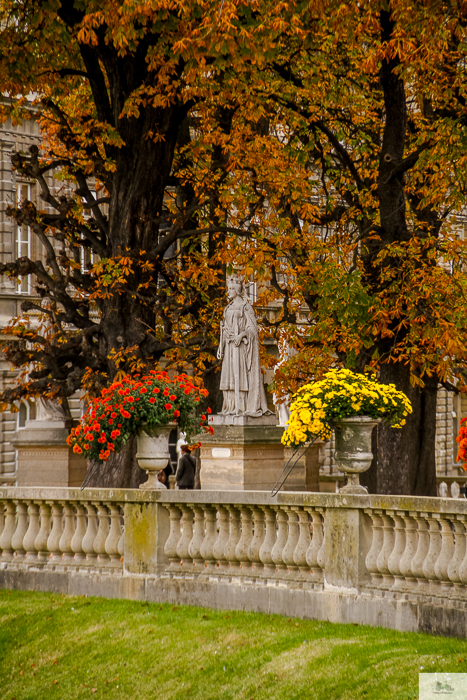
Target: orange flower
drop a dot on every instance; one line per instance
(172, 397)
(176, 413)
(77, 449)
(168, 406)
(152, 400)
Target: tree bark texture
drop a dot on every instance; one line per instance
(120, 471)
(406, 457)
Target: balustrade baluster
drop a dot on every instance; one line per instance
(322, 549)
(454, 568)
(303, 543)
(433, 550)
(269, 541)
(221, 540)
(241, 550)
(194, 548)
(257, 541)
(31, 534)
(446, 551)
(422, 549)
(21, 529)
(121, 541)
(40, 543)
(170, 548)
(91, 533)
(102, 534)
(207, 546)
(68, 554)
(2, 519)
(79, 534)
(386, 551)
(8, 531)
(281, 541)
(463, 566)
(186, 537)
(371, 560)
(316, 543)
(292, 541)
(115, 533)
(410, 549)
(234, 538)
(394, 559)
(53, 541)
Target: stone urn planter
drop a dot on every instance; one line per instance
(153, 452)
(353, 453)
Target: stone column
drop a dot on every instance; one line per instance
(348, 539)
(146, 533)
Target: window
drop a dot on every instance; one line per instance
(23, 237)
(27, 411)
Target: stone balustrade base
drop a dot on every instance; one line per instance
(338, 606)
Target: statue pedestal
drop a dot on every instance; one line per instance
(44, 458)
(245, 456)
(305, 475)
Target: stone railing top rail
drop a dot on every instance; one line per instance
(320, 500)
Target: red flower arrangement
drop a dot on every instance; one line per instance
(135, 402)
(462, 440)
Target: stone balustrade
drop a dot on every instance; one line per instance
(395, 561)
(60, 530)
(450, 486)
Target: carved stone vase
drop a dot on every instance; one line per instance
(153, 452)
(353, 453)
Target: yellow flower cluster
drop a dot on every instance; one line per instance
(340, 394)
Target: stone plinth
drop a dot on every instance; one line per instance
(242, 457)
(218, 419)
(44, 458)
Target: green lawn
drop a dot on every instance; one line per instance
(66, 648)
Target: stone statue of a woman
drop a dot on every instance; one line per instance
(241, 377)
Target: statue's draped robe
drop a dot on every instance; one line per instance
(241, 377)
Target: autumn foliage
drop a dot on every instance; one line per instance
(318, 148)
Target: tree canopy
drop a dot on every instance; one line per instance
(318, 147)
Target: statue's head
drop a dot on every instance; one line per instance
(234, 287)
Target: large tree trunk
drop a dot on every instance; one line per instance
(405, 462)
(120, 471)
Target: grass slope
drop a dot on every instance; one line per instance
(55, 647)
